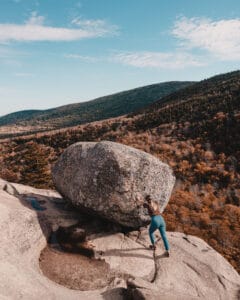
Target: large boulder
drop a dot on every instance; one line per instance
(107, 178)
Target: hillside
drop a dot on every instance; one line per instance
(85, 112)
(19, 116)
(195, 130)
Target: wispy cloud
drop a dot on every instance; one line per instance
(161, 60)
(35, 30)
(219, 38)
(35, 19)
(100, 26)
(82, 57)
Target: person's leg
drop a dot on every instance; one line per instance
(162, 229)
(152, 228)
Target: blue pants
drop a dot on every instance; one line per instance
(157, 222)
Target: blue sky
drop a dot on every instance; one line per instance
(56, 52)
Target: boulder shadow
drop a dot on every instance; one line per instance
(116, 293)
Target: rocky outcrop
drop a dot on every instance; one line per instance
(193, 271)
(24, 233)
(107, 178)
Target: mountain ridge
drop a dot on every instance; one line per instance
(100, 108)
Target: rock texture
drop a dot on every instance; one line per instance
(23, 236)
(107, 178)
(193, 271)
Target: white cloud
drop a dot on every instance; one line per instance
(95, 25)
(82, 57)
(161, 60)
(35, 30)
(35, 19)
(220, 38)
(88, 23)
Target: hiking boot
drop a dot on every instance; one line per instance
(167, 253)
(152, 247)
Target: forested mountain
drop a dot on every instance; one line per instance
(79, 113)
